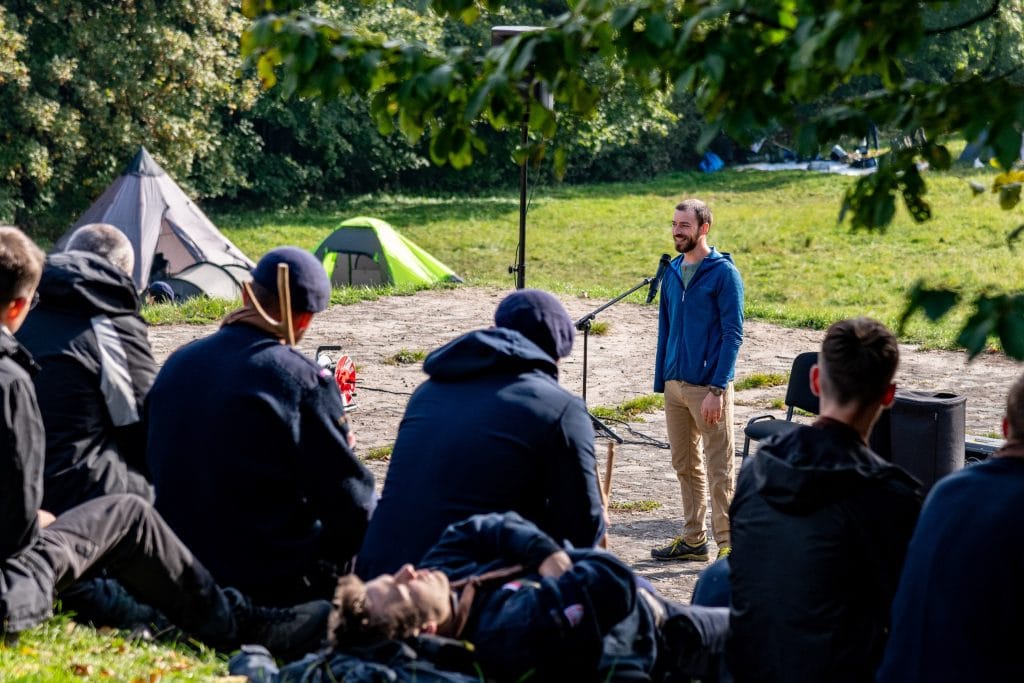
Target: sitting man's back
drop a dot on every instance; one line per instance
(248, 448)
(97, 366)
(956, 615)
(490, 431)
(820, 527)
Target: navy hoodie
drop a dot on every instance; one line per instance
(490, 431)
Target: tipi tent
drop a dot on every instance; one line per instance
(163, 224)
(368, 251)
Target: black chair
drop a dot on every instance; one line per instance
(798, 395)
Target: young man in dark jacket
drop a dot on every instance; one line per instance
(41, 555)
(528, 609)
(249, 447)
(490, 431)
(956, 615)
(97, 366)
(820, 527)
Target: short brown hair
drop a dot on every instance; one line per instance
(858, 360)
(1015, 408)
(700, 210)
(351, 623)
(21, 264)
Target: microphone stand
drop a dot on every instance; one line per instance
(583, 324)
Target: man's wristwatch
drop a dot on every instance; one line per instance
(717, 391)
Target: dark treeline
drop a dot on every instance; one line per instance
(83, 84)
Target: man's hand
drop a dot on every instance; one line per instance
(45, 518)
(711, 408)
(555, 564)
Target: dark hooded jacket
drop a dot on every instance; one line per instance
(21, 450)
(249, 455)
(956, 615)
(491, 430)
(820, 526)
(97, 367)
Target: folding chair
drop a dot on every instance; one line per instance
(798, 395)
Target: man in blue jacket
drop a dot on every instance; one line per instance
(700, 329)
(490, 431)
(248, 448)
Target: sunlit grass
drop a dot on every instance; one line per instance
(800, 267)
(632, 409)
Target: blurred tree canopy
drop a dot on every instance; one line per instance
(82, 85)
(817, 68)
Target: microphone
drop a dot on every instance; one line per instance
(662, 266)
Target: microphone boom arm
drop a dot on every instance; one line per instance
(584, 322)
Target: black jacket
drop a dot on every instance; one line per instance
(97, 367)
(820, 526)
(490, 431)
(552, 627)
(21, 450)
(249, 456)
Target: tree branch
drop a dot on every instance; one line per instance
(987, 14)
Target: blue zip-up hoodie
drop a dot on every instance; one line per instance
(700, 327)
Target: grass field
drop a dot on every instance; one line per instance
(800, 267)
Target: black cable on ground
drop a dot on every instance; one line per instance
(642, 439)
(363, 387)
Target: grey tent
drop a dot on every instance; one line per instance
(166, 228)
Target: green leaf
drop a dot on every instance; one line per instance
(658, 31)
(1011, 328)
(935, 303)
(979, 327)
(846, 50)
(714, 64)
(560, 162)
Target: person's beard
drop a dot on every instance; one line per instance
(686, 245)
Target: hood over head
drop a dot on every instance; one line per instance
(492, 350)
(540, 317)
(80, 281)
(800, 472)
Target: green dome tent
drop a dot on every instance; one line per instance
(367, 251)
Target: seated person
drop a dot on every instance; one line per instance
(956, 614)
(490, 431)
(97, 366)
(248, 447)
(41, 555)
(529, 610)
(820, 525)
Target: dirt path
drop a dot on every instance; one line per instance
(619, 368)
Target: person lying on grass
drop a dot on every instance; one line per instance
(529, 609)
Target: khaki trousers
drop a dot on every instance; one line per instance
(687, 433)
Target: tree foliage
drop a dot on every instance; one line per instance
(82, 85)
(750, 65)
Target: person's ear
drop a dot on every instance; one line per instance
(12, 310)
(816, 380)
(889, 396)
